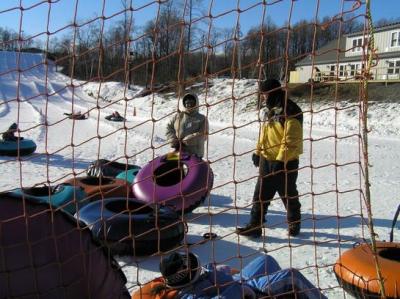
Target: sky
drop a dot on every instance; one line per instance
(330, 178)
(39, 16)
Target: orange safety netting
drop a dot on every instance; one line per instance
(62, 82)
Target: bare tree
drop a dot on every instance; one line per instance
(164, 37)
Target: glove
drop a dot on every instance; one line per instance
(175, 144)
(277, 166)
(190, 139)
(256, 159)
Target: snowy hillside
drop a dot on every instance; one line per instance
(36, 96)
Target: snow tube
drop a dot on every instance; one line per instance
(10, 148)
(356, 272)
(129, 175)
(146, 291)
(47, 254)
(61, 196)
(128, 226)
(180, 181)
(115, 118)
(98, 188)
(107, 168)
(76, 116)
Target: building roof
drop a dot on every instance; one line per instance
(387, 27)
(330, 53)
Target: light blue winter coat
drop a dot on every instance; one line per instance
(262, 277)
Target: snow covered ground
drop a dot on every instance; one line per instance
(330, 179)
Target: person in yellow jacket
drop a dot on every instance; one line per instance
(277, 154)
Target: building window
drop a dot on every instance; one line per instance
(393, 67)
(352, 68)
(330, 74)
(359, 43)
(395, 40)
(342, 71)
(349, 70)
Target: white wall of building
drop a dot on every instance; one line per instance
(304, 73)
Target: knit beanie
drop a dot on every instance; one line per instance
(276, 94)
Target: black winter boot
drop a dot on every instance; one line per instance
(294, 228)
(250, 230)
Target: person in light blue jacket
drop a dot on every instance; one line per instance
(261, 278)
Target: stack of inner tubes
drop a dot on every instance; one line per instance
(128, 226)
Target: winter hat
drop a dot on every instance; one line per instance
(269, 84)
(14, 126)
(276, 94)
(180, 269)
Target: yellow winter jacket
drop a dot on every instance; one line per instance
(279, 142)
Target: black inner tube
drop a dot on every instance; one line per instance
(118, 165)
(96, 181)
(170, 173)
(38, 191)
(210, 236)
(392, 254)
(123, 206)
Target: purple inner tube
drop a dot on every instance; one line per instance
(176, 183)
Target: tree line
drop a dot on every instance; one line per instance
(170, 48)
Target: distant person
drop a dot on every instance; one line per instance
(77, 115)
(9, 135)
(115, 116)
(317, 74)
(277, 154)
(183, 277)
(188, 130)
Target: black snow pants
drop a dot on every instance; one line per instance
(274, 178)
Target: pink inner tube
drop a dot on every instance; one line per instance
(179, 183)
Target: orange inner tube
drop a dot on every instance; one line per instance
(357, 267)
(96, 188)
(147, 291)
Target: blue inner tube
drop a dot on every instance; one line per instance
(128, 226)
(10, 148)
(60, 196)
(128, 175)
